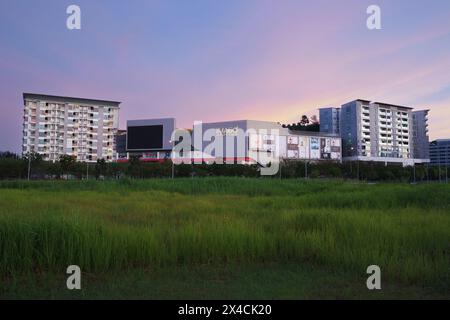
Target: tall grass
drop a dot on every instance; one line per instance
(46, 226)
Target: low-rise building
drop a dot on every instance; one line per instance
(440, 152)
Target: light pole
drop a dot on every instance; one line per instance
(355, 154)
(172, 154)
(280, 168)
(439, 166)
(29, 165)
(306, 169)
(359, 151)
(173, 170)
(446, 174)
(357, 168)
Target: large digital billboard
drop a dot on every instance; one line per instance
(145, 137)
(150, 134)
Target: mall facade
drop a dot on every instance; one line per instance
(241, 141)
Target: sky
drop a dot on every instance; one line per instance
(217, 60)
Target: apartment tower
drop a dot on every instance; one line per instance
(83, 128)
(421, 140)
(376, 131)
(329, 120)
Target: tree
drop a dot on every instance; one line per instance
(305, 124)
(134, 166)
(11, 168)
(67, 163)
(313, 125)
(34, 157)
(8, 155)
(78, 169)
(33, 161)
(304, 121)
(100, 168)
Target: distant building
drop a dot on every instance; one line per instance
(329, 120)
(150, 139)
(269, 139)
(421, 141)
(440, 152)
(241, 141)
(121, 144)
(376, 131)
(56, 125)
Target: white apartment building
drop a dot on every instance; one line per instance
(83, 128)
(376, 131)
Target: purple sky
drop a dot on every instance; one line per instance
(225, 59)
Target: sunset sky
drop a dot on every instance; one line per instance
(214, 60)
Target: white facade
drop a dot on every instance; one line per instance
(263, 141)
(83, 128)
(298, 145)
(375, 130)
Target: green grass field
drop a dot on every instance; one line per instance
(224, 238)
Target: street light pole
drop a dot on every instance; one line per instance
(173, 170)
(357, 163)
(306, 169)
(439, 166)
(29, 166)
(172, 154)
(446, 174)
(280, 168)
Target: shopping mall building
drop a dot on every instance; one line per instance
(242, 141)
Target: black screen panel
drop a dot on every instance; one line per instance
(145, 137)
